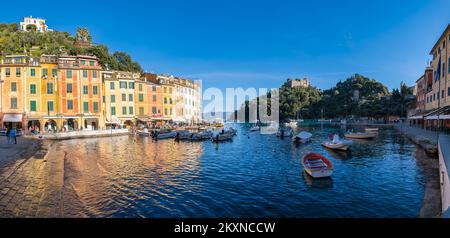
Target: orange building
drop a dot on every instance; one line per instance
(154, 98)
(80, 92)
(12, 80)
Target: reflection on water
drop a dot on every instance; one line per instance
(253, 176)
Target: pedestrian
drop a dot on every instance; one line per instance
(8, 131)
(13, 135)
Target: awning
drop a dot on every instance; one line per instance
(143, 119)
(441, 117)
(415, 117)
(12, 118)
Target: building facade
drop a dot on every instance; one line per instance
(65, 93)
(119, 90)
(13, 75)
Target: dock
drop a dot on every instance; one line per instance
(441, 147)
(82, 134)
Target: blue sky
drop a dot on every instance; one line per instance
(234, 43)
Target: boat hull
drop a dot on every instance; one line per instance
(319, 173)
(335, 146)
(317, 166)
(360, 135)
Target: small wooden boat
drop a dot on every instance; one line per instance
(335, 145)
(302, 137)
(360, 135)
(317, 165)
(255, 128)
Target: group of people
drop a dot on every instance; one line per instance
(11, 135)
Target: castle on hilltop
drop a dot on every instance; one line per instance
(33, 24)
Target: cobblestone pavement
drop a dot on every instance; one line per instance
(22, 186)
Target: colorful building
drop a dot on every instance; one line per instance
(167, 87)
(119, 90)
(50, 102)
(79, 92)
(154, 98)
(64, 93)
(12, 82)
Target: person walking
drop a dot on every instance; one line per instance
(13, 135)
(8, 131)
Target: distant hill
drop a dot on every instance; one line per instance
(14, 41)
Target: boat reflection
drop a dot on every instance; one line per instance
(317, 183)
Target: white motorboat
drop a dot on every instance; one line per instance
(317, 165)
(302, 137)
(285, 132)
(335, 144)
(292, 124)
(359, 135)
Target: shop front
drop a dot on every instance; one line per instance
(13, 120)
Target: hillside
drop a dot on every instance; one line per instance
(13, 41)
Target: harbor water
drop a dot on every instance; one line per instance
(254, 175)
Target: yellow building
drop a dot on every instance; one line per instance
(50, 100)
(167, 87)
(142, 103)
(12, 80)
(119, 92)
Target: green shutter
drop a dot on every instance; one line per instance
(50, 106)
(113, 111)
(32, 88)
(33, 106)
(85, 106)
(95, 106)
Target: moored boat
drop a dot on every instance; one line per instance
(285, 132)
(373, 130)
(359, 135)
(302, 137)
(166, 135)
(317, 165)
(144, 132)
(336, 143)
(222, 137)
